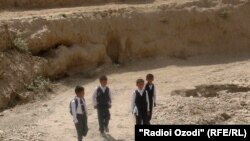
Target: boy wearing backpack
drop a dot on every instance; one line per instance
(102, 102)
(78, 110)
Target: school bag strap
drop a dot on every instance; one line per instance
(76, 105)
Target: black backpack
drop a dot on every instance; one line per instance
(70, 107)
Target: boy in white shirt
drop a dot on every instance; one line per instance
(79, 113)
(140, 104)
(102, 102)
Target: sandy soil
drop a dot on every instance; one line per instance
(146, 5)
(191, 90)
(17, 14)
(50, 119)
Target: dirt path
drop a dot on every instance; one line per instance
(20, 14)
(50, 120)
(6, 15)
(121, 118)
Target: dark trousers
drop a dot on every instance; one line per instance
(103, 117)
(81, 126)
(151, 111)
(142, 119)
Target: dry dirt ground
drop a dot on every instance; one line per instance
(224, 100)
(212, 89)
(18, 14)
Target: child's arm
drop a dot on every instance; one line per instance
(154, 97)
(73, 106)
(147, 99)
(85, 107)
(94, 99)
(133, 104)
(110, 98)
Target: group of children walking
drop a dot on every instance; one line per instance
(143, 101)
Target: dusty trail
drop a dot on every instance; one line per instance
(144, 5)
(20, 14)
(50, 120)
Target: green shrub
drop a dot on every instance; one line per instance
(39, 84)
(20, 45)
(224, 14)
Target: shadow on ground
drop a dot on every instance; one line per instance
(150, 64)
(108, 137)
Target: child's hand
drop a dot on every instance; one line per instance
(154, 104)
(75, 121)
(95, 107)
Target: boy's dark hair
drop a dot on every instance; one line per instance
(139, 81)
(103, 77)
(79, 89)
(149, 76)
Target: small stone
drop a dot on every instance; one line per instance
(225, 116)
(34, 124)
(1, 133)
(45, 105)
(243, 103)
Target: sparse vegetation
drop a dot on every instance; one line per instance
(224, 14)
(39, 84)
(64, 15)
(20, 45)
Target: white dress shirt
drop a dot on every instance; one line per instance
(133, 106)
(79, 108)
(95, 95)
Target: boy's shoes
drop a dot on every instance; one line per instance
(106, 129)
(102, 133)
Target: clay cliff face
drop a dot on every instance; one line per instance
(129, 33)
